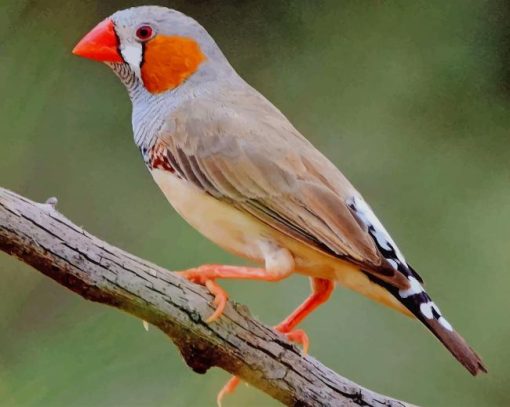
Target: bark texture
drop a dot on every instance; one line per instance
(40, 236)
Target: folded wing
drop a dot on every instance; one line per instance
(259, 163)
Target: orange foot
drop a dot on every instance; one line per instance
(207, 275)
(198, 276)
(297, 336)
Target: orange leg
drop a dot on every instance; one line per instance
(213, 271)
(208, 273)
(321, 291)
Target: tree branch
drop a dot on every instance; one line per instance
(40, 236)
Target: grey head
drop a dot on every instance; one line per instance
(164, 58)
(138, 29)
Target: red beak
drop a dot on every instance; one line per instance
(100, 44)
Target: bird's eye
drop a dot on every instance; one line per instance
(144, 32)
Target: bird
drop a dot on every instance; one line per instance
(236, 169)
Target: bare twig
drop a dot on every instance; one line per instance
(40, 236)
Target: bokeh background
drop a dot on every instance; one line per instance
(410, 99)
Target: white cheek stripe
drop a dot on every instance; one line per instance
(132, 54)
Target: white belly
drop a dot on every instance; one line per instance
(240, 233)
(226, 226)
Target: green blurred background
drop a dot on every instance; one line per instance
(410, 99)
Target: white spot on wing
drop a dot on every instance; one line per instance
(445, 323)
(415, 288)
(132, 54)
(368, 218)
(426, 309)
(381, 239)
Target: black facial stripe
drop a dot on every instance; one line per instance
(142, 61)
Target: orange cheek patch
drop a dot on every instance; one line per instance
(169, 61)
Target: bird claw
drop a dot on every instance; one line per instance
(206, 275)
(220, 299)
(220, 295)
(194, 275)
(228, 388)
(298, 336)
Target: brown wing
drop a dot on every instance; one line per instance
(247, 153)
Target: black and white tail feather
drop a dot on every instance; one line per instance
(414, 298)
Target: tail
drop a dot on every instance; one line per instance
(416, 300)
